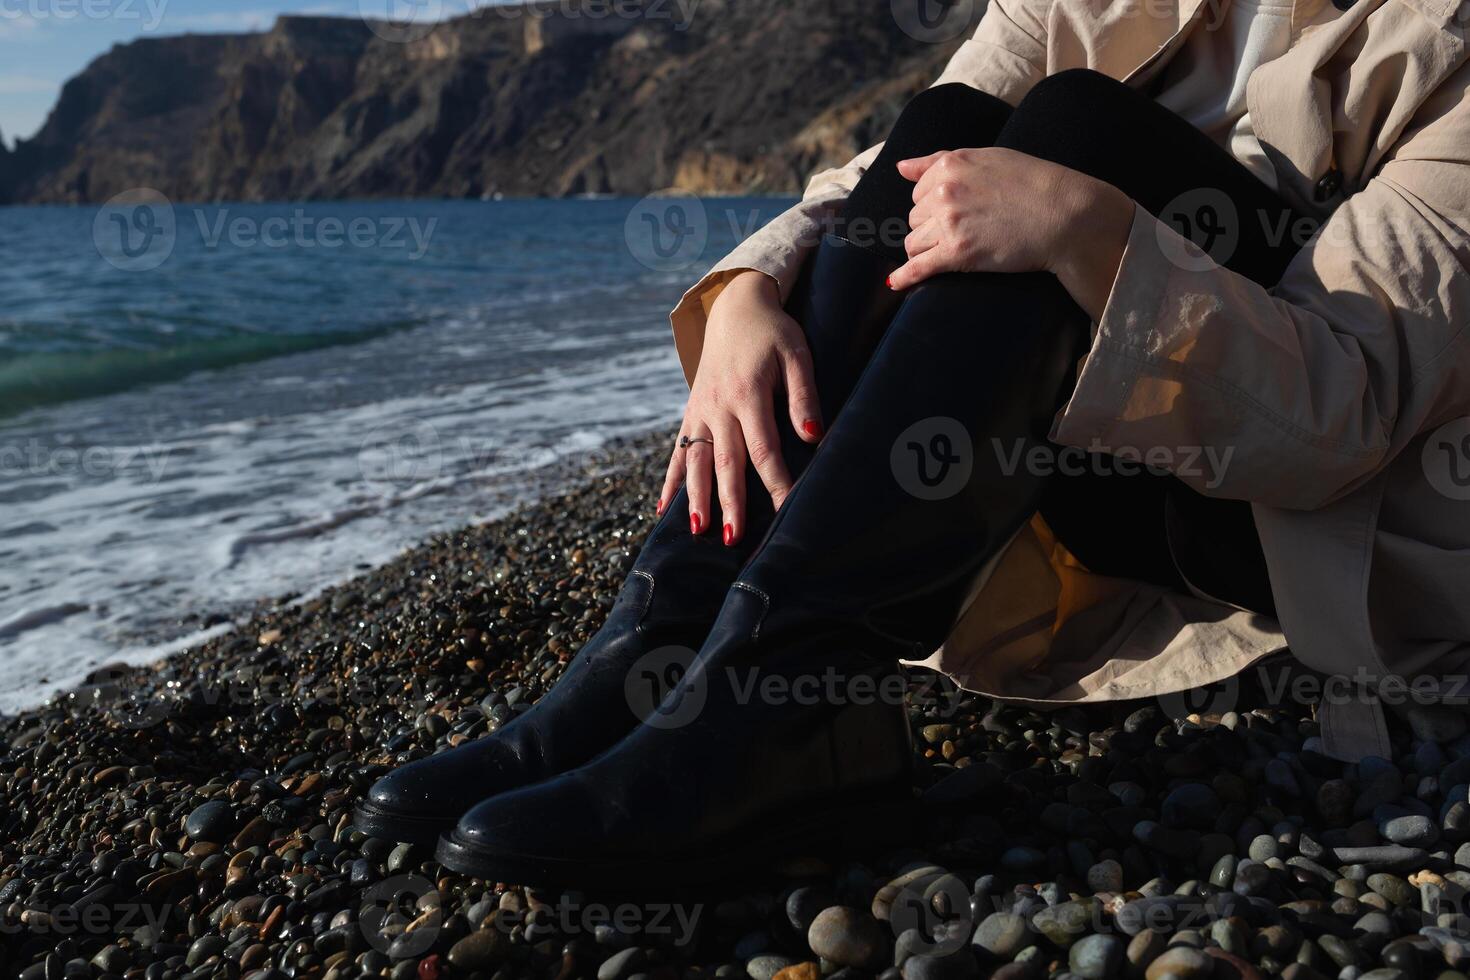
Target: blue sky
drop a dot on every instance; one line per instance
(45, 42)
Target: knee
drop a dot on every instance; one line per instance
(1073, 118)
(1078, 92)
(948, 117)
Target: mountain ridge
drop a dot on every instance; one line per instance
(534, 100)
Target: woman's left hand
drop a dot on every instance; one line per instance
(998, 210)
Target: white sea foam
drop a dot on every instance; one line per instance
(217, 515)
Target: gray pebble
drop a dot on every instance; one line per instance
(1097, 957)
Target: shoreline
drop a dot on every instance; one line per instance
(143, 651)
(191, 818)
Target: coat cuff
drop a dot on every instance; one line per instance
(689, 317)
(1109, 373)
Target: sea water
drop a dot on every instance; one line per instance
(205, 406)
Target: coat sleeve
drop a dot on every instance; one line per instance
(1305, 391)
(1005, 57)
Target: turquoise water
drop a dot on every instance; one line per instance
(203, 406)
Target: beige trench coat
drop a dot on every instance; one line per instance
(1340, 393)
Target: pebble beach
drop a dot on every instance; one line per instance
(192, 818)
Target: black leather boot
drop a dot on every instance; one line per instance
(789, 729)
(668, 602)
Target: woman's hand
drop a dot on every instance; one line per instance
(751, 348)
(997, 210)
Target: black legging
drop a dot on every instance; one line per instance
(1114, 523)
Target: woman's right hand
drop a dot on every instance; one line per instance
(752, 348)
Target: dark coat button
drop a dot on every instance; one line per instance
(1329, 185)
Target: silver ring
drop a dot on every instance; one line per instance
(685, 442)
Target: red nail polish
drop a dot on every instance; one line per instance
(729, 535)
(659, 510)
(695, 524)
(888, 281)
(811, 428)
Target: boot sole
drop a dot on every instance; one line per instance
(833, 829)
(399, 827)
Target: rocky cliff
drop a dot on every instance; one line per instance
(623, 98)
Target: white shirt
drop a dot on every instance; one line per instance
(1205, 83)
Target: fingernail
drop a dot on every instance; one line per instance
(811, 428)
(888, 281)
(695, 524)
(659, 510)
(729, 535)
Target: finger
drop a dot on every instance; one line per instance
(916, 167)
(801, 393)
(730, 476)
(763, 445)
(928, 208)
(699, 478)
(922, 239)
(919, 268)
(672, 479)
